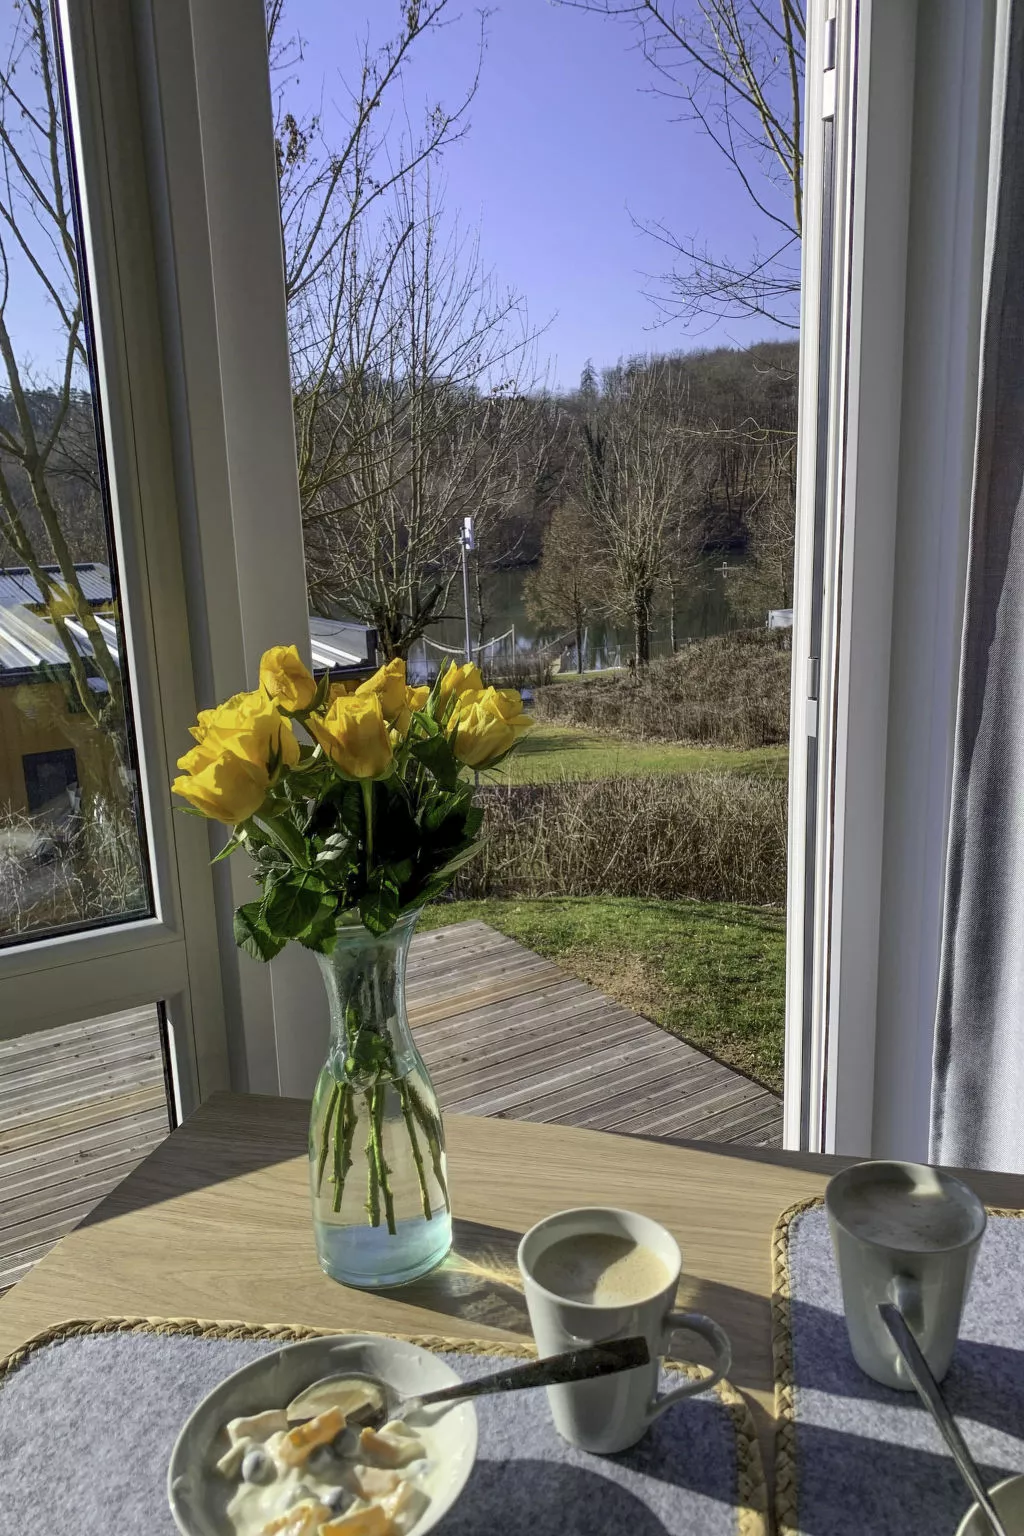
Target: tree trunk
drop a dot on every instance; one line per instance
(579, 646)
(673, 637)
(642, 625)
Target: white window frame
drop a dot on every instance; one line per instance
(172, 123)
(912, 96)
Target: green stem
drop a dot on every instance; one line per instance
(432, 1130)
(343, 1134)
(383, 1171)
(325, 1137)
(372, 1174)
(417, 1156)
(367, 788)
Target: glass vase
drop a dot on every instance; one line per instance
(378, 1174)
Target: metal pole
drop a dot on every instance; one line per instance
(465, 597)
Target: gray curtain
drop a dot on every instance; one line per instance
(978, 1084)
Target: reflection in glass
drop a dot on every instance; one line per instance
(71, 837)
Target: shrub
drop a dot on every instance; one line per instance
(729, 691)
(709, 837)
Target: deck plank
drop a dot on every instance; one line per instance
(80, 1107)
(506, 1032)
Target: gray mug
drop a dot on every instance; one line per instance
(909, 1234)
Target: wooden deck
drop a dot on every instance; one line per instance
(507, 1033)
(504, 1032)
(79, 1108)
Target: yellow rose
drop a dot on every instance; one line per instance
(459, 680)
(286, 679)
(242, 747)
(354, 735)
(416, 698)
(388, 685)
(340, 691)
(487, 723)
(228, 788)
(248, 725)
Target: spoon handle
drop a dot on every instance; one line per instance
(574, 1365)
(928, 1390)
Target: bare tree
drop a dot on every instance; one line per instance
(47, 436)
(736, 67)
(428, 418)
(569, 588)
(338, 173)
(638, 449)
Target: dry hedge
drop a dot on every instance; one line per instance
(729, 691)
(706, 836)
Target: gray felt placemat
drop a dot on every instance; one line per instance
(88, 1420)
(856, 1457)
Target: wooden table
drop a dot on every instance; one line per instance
(215, 1225)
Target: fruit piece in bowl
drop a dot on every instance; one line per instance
(287, 1446)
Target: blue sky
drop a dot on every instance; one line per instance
(566, 142)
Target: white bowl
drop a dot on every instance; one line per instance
(1008, 1498)
(198, 1495)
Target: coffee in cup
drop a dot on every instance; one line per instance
(596, 1274)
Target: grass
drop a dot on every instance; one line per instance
(550, 753)
(711, 973)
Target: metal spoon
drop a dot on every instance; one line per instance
(928, 1391)
(574, 1365)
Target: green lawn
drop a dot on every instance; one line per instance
(552, 752)
(711, 973)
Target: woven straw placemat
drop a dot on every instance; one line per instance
(89, 1411)
(853, 1458)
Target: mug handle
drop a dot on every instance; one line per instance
(717, 1337)
(905, 1293)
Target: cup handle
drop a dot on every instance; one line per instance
(717, 1337)
(905, 1294)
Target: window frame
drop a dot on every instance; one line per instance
(893, 446)
(168, 957)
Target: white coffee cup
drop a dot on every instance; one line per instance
(613, 1412)
(922, 1262)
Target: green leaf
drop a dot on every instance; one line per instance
(455, 863)
(233, 842)
(437, 756)
(474, 820)
(252, 934)
(442, 806)
(322, 933)
(380, 905)
(291, 906)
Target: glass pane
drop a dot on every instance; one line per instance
(72, 843)
(80, 1106)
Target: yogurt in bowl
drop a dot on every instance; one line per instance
(239, 1468)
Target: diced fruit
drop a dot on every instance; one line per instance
(374, 1482)
(360, 1522)
(258, 1467)
(298, 1442)
(231, 1460)
(389, 1448)
(303, 1519)
(259, 1427)
(404, 1507)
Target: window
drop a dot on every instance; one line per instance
(51, 782)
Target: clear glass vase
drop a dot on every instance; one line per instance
(378, 1174)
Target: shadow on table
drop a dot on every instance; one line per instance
(524, 1497)
(850, 1484)
(479, 1282)
(985, 1384)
